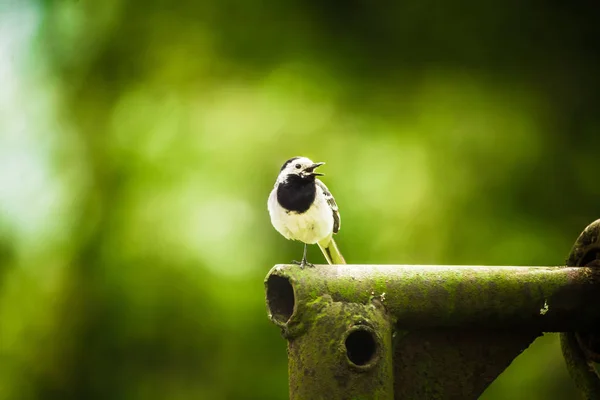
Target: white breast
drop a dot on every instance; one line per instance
(310, 227)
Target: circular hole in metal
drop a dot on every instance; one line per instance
(361, 347)
(280, 298)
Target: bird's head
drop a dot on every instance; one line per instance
(300, 166)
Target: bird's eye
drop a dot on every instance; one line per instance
(298, 166)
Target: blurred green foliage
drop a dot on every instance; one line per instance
(139, 142)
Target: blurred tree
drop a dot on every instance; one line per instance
(458, 133)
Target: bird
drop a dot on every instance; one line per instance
(303, 209)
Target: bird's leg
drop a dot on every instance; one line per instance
(303, 263)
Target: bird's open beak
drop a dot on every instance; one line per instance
(311, 169)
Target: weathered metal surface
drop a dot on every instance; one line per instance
(345, 353)
(581, 369)
(454, 364)
(454, 328)
(581, 349)
(550, 299)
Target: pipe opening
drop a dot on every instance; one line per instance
(280, 298)
(361, 347)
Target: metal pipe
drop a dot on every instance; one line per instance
(345, 353)
(550, 299)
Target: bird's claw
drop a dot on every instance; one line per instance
(303, 264)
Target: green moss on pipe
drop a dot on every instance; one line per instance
(344, 353)
(474, 320)
(542, 298)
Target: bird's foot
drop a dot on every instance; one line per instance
(303, 264)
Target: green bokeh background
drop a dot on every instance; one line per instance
(139, 141)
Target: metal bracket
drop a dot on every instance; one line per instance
(581, 349)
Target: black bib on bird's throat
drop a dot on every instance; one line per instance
(296, 193)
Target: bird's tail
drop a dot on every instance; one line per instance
(331, 251)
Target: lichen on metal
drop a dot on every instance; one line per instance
(420, 297)
(434, 331)
(345, 354)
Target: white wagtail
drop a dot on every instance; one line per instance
(302, 208)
